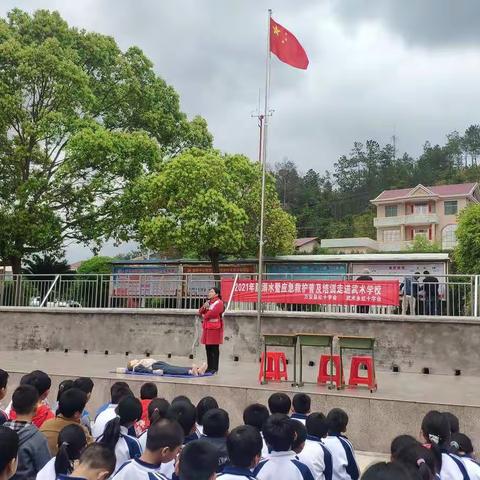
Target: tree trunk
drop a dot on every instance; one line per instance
(16, 264)
(214, 257)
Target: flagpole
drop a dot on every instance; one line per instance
(262, 201)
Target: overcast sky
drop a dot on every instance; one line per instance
(377, 68)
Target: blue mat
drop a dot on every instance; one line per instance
(161, 375)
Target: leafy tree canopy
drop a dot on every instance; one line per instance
(79, 121)
(209, 203)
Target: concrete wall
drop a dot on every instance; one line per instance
(440, 343)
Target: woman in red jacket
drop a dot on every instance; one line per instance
(212, 324)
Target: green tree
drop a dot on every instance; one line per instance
(206, 203)
(96, 265)
(79, 120)
(421, 244)
(47, 264)
(467, 251)
(363, 224)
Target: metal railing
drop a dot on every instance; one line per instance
(451, 295)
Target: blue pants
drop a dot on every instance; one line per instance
(166, 367)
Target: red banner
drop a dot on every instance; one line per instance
(324, 292)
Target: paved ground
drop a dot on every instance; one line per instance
(409, 387)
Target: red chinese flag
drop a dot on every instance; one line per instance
(286, 46)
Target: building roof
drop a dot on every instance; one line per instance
(457, 189)
(300, 242)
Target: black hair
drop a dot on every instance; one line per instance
(129, 410)
(301, 434)
(400, 442)
(279, 403)
(181, 398)
(97, 456)
(436, 429)
(85, 384)
(387, 471)
(337, 420)
(426, 272)
(198, 461)
(301, 403)
(63, 386)
(148, 391)
(418, 459)
(8, 446)
(461, 444)
(3, 378)
(453, 422)
(279, 432)
(164, 433)
(317, 425)
(216, 423)
(203, 406)
(184, 413)
(71, 402)
(38, 379)
(71, 442)
(256, 415)
(119, 390)
(217, 291)
(244, 443)
(157, 410)
(25, 399)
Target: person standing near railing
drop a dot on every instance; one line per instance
(430, 291)
(409, 292)
(212, 327)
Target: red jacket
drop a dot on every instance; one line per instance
(43, 414)
(212, 324)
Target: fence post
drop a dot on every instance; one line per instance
(475, 298)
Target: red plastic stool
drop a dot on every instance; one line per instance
(276, 366)
(324, 370)
(356, 379)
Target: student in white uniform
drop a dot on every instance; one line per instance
(164, 440)
(244, 445)
(436, 432)
(462, 447)
(301, 407)
(203, 406)
(420, 461)
(279, 403)
(256, 415)
(344, 465)
(315, 453)
(118, 391)
(157, 410)
(198, 461)
(116, 436)
(279, 432)
(71, 442)
(97, 462)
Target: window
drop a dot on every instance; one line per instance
(420, 232)
(451, 207)
(420, 208)
(391, 210)
(449, 237)
(391, 236)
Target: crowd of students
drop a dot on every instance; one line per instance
(151, 438)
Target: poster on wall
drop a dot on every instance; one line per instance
(306, 270)
(145, 281)
(398, 270)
